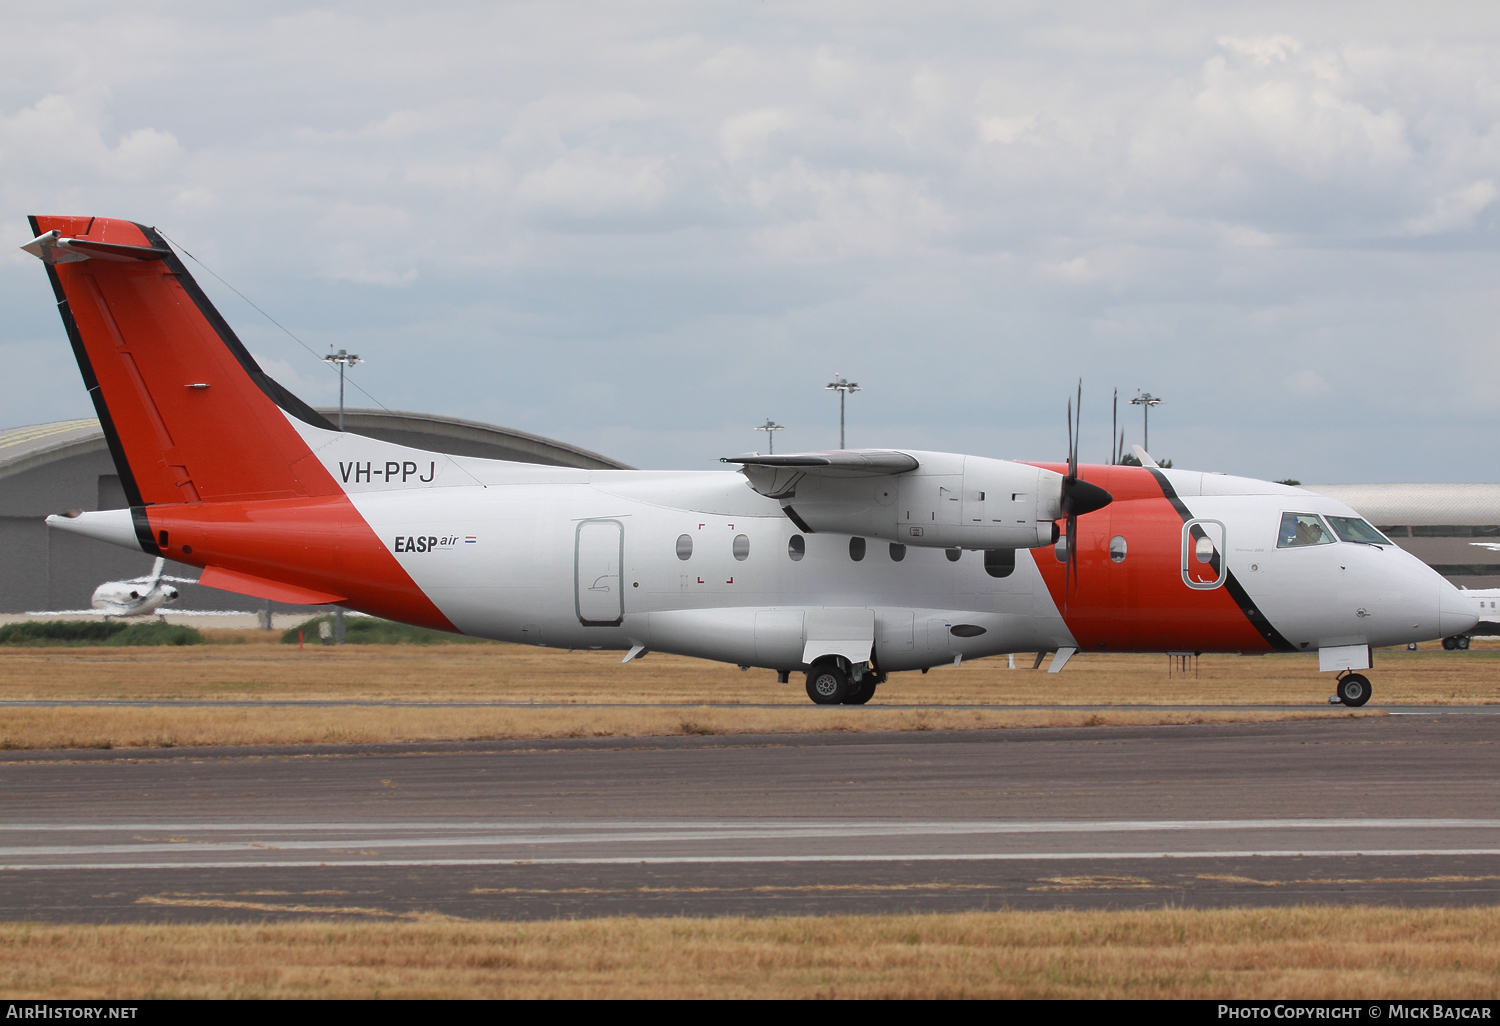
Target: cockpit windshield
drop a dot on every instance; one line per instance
(1353, 529)
(1303, 529)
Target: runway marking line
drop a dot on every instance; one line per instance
(668, 860)
(1226, 878)
(263, 906)
(757, 888)
(1102, 883)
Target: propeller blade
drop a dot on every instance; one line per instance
(1072, 558)
(1072, 470)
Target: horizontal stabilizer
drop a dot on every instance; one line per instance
(52, 248)
(260, 587)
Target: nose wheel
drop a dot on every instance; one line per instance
(1354, 689)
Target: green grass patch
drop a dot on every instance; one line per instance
(85, 633)
(369, 630)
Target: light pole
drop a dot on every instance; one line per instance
(1145, 401)
(768, 427)
(843, 388)
(345, 360)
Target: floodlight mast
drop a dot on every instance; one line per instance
(843, 387)
(345, 360)
(1145, 401)
(768, 427)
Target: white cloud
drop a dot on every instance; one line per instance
(1455, 211)
(633, 200)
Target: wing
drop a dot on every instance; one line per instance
(777, 476)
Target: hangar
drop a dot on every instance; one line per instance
(1453, 528)
(52, 468)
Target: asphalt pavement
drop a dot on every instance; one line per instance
(1390, 810)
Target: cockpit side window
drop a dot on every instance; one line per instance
(1303, 529)
(1353, 529)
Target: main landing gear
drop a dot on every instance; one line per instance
(831, 682)
(1459, 642)
(1353, 690)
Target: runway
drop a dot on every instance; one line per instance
(1386, 810)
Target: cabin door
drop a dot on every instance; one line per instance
(598, 556)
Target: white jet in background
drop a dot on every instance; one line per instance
(139, 596)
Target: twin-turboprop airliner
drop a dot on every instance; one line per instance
(846, 565)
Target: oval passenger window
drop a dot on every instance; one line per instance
(797, 547)
(1205, 549)
(856, 549)
(898, 552)
(684, 546)
(1117, 549)
(741, 547)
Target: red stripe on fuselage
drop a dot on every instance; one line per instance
(1140, 604)
(322, 544)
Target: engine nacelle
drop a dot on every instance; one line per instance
(948, 501)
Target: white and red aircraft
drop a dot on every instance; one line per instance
(849, 565)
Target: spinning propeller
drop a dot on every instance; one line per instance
(1077, 497)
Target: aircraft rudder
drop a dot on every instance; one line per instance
(187, 412)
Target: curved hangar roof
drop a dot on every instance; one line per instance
(23, 448)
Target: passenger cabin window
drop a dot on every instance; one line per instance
(856, 549)
(684, 546)
(1353, 529)
(1299, 529)
(1117, 549)
(741, 547)
(796, 548)
(898, 552)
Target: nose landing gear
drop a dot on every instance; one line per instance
(1353, 690)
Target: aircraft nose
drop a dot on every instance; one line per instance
(1456, 613)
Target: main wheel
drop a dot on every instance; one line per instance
(1463, 642)
(827, 684)
(1354, 689)
(862, 691)
(1450, 643)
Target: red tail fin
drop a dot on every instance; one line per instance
(188, 413)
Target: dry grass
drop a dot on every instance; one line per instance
(1307, 952)
(49, 728)
(524, 674)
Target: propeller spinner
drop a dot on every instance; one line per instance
(1078, 497)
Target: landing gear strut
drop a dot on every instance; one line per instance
(1354, 689)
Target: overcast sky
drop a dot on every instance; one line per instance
(644, 228)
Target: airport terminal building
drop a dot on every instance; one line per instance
(53, 468)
